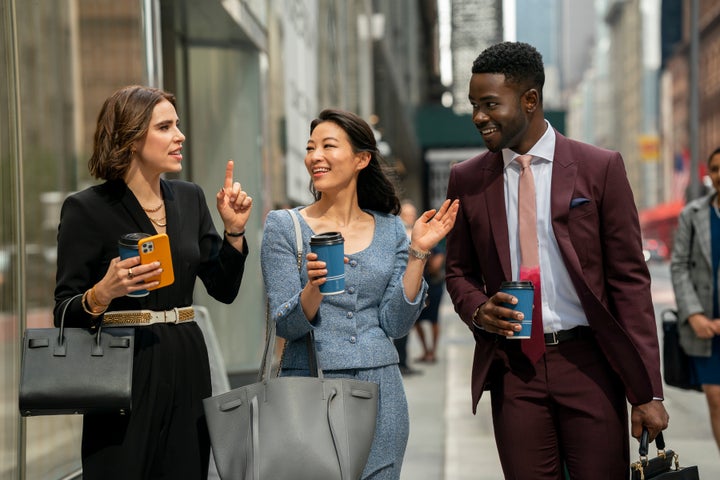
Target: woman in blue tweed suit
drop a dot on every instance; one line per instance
(695, 268)
(384, 288)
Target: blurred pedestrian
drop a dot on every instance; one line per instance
(384, 288)
(435, 277)
(137, 140)
(694, 267)
(408, 214)
(560, 396)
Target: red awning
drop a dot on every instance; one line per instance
(664, 211)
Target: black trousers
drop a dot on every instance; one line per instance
(165, 436)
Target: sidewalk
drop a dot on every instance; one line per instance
(448, 443)
(446, 440)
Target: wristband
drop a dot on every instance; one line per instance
(239, 234)
(418, 254)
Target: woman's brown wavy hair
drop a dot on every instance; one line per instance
(124, 119)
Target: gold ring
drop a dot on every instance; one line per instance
(130, 274)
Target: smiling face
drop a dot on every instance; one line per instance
(160, 151)
(501, 112)
(330, 160)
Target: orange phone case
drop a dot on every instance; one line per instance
(157, 247)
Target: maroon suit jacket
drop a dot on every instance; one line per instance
(595, 222)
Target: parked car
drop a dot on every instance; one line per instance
(655, 250)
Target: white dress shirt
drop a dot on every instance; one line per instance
(561, 309)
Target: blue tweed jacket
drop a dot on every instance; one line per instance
(353, 329)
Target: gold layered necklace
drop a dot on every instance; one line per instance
(153, 210)
(160, 222)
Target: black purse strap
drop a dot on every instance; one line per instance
(61, 346)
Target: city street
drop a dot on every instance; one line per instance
(448, 442)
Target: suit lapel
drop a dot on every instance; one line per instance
(172, 209)
(496, 212)
(135, 211)
(564, 176)
(701, 223)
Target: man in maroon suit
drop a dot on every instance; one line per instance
(600, 339)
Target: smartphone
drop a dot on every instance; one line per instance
(157, 248)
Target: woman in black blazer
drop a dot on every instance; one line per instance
(136, 141)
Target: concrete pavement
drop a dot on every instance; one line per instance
(448, 443)
(446, 440)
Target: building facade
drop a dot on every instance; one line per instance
(249, 75)
(677, 88)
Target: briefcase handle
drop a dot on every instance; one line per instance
(669, 315)
(645, 442)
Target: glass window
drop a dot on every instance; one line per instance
(9, 213)
(71, 56)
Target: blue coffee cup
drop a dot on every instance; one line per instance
(128, 247)
(330, 248)
(524, 291)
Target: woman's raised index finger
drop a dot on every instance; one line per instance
(229, 175)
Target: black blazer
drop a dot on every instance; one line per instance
(92, 221)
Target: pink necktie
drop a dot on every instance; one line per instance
(534, 347)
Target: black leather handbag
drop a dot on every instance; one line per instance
(76, 370)
(678, 370)
(665, 466)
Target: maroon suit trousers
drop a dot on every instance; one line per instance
(569, 408)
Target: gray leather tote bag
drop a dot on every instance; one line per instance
(299, 428)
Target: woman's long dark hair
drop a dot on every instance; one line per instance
(374, 188)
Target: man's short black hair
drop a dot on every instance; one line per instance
(520, 62)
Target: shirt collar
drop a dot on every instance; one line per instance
(544, 148)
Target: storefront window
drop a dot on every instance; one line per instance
(9, 212)
(71, 56)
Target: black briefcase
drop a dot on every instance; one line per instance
(665, 466)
